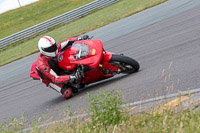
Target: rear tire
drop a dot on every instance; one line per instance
(124, 63)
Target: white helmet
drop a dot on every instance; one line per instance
(47, 46)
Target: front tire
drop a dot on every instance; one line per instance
(125, 63)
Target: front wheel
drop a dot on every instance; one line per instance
(124, 63)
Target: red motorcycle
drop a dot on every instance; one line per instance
(90, 57)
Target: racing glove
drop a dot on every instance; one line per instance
(84, 37)
(76, 76)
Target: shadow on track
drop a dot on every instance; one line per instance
(91, 87)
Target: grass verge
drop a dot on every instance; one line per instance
(21, 18)
(107, 115)
(95, 20)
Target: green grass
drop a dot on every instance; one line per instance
(107, 115)
(25, 17)
(97, 19)
(168, 122)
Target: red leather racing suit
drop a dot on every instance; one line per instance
(48, 74)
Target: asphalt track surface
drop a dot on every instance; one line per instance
(165, 40)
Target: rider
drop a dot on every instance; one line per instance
(46, 65)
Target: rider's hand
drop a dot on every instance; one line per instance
(79, 75)
(76, 76)
(84, 37)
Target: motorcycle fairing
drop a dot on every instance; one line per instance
(105, 62)
(92, 59)
(103, 71)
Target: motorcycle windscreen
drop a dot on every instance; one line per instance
(67, 59)
(79, 50)
(88, 53)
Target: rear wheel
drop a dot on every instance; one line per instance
(124, 63)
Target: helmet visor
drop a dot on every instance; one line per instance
(52, 48)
